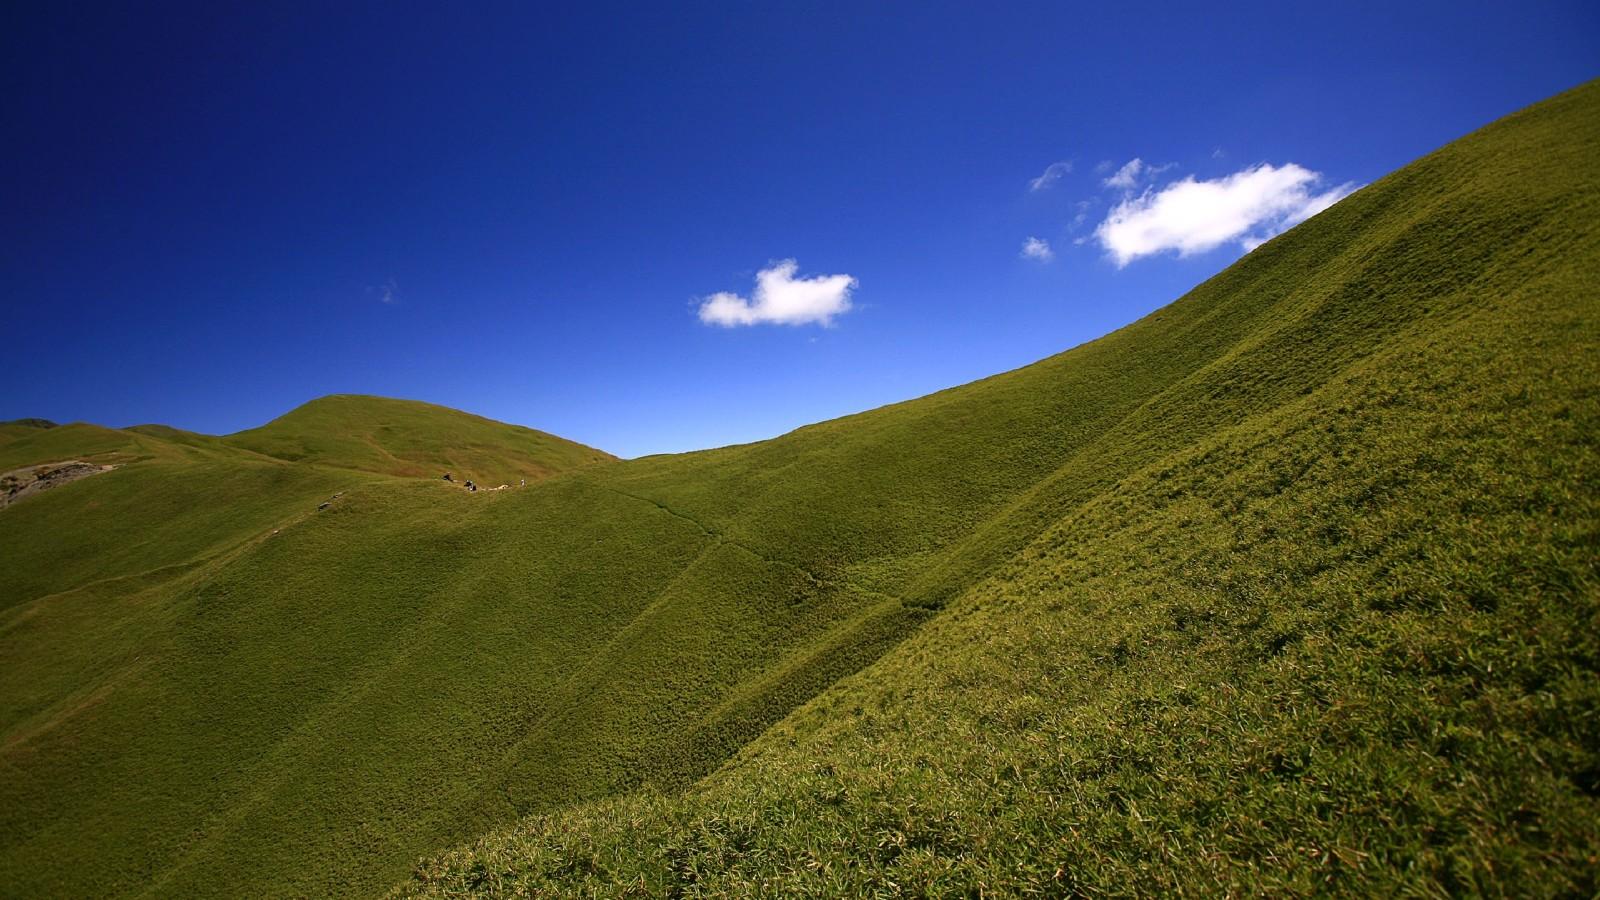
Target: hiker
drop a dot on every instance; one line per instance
(448, 478)
(524, 482)
(471, 486)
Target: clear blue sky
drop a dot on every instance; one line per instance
(211, 215)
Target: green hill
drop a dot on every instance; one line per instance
(1279, 589)
(16, 428)
(28, 446)
(1319, 614)
(404, 437)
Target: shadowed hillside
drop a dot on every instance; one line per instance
(1211, 600)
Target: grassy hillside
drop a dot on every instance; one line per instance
(1188, 602)
(27, 446)
(404, 437)
(1345, 636)
(15, 428)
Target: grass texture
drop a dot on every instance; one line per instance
(1289, 586)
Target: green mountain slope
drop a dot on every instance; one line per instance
(404, 437)
(1322, 615)
(1131, 574)
(27, 445)
(16, 428)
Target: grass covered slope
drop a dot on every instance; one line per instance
(408, 438)
(338, 691)
(103, 750)
(28, 446)
(165, 504)
(16, 428)
(217, 686)
(1323, 613)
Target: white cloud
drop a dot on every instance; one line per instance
(1127, 177)
(1189, 216)
(1037, 248)
(1133, 173)
(388, 292)
(1080, 215)
(782, 299)
(1052, 174)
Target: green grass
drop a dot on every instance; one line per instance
(404, 437)
(1288, 587)
(12, 429)
(1320, 616)
(26, 446)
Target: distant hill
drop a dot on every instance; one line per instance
(28, 445)
(18, 428)
(405, 437)
(1287, 587)
(27, 423)
(180, 496)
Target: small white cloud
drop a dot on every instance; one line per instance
(1189, 216)
(782, 299)
(1127, 177)
(1080, 215)
(1052, 174)
(1133, 173)
(388, 292)
(1104, 166)
(1038, 249)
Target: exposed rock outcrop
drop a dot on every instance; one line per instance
(29, 480)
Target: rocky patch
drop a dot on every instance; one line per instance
(18, 484)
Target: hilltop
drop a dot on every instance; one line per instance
(1277, 589)
(12, 428)
(405, 437)
(179, 497)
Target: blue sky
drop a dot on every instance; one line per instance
(564, 217)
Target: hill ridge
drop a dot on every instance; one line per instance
(867, 788)
(403, 437)
(879, 650)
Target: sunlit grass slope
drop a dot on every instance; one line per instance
(405, 437)
(166, 504)
(1321, 614)
(22, 445)
(17, 428)
(1137, 578)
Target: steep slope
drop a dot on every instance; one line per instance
(312, 704)
(404, 437)
(1346, 637)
